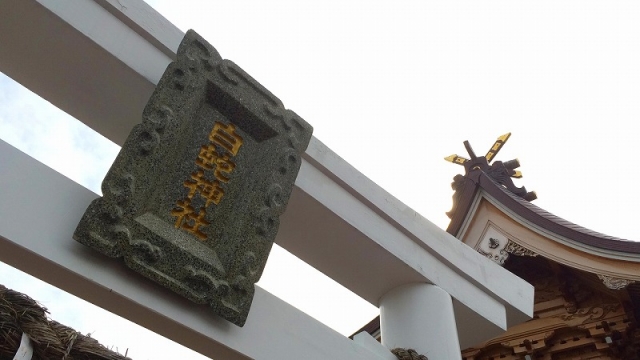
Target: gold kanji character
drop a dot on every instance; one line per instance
(186, 209)
(209, 157)
(226, 136)
(186, 215)
(210, 190)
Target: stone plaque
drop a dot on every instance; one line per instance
(194, 197)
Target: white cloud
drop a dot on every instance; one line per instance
(51, 136)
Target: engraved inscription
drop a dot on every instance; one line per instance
(194, 199)
(215, 156)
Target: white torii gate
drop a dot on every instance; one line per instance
(436, 295)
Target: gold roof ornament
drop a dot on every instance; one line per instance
(499, 171)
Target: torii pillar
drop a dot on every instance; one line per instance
(420, 316)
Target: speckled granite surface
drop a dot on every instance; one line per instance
(194, 197)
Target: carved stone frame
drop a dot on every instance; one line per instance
(133, 219)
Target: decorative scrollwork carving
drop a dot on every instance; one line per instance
(197, 52)
(591, 313)
(205, 284)
(502, 255)
(149, 252)
(614, 283)
(518, 250)
(268, 217)
(497, 258)
(119, 186)
(155, 120)
(150, 214)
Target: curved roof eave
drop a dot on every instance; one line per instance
(478, 180)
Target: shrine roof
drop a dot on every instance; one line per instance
(468, 187)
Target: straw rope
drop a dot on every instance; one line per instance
(51, 340)
(407, 354)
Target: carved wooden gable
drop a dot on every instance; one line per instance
(587, 284)
(575, 317)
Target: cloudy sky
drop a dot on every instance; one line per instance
(393, 88)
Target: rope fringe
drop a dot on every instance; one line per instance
(407, 354)
(51, 340)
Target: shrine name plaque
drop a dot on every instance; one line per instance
(194, 197)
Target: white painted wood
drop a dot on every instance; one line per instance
(420, 316)
(606, 253)
(91, 18)
(82, 58)
(37, 219)
(439, 257)
(146, 22)
(370, 254)
(338, 220)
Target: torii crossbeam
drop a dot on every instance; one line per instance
(337, 221)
